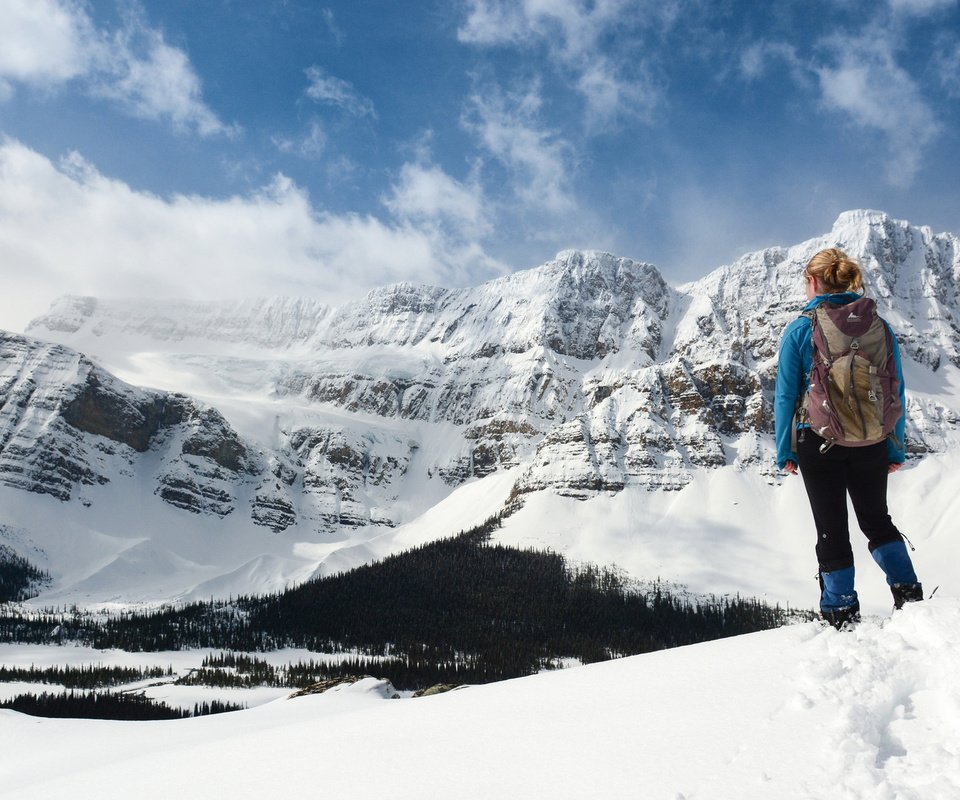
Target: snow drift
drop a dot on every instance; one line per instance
(800, 713)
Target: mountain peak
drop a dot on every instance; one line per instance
(860, 216)
(576, 256)
(596, 261)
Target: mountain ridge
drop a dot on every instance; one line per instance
(586, 376)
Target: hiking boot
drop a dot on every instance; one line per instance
(842, 618)
(906, 593)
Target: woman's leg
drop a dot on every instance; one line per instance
(867, 484)
(825, 479)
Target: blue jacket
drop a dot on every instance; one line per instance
(793, 370)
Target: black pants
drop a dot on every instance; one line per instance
(828, 478)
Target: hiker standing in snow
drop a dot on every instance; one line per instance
(838, 450)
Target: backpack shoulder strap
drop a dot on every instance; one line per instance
(820, 346)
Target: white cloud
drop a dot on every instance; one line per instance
(613, 82)
(538, 160)
(491, 22)
(159, 84)
(573, 26)
(426, 194)
(48, 43)
(608, 95)
(45, 42)
(326, 88)
(66, 228)
(866, 84)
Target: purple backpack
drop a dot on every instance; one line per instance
(853, 396)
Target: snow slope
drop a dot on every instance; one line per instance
(800, 713)
(726, 532)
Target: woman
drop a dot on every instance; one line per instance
(832, 473)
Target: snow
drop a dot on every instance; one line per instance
(800, 713)
(162, 689)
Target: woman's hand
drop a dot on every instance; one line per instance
(893, 466)
(791, 467)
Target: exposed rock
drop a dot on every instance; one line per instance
(439, 688)
(198, 487)
(383, 687)
(65, 422)
(326, 685)
(212, 437)
(273, 510)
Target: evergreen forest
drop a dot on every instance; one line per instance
(457, 610)
(19, 579)
(96, 705)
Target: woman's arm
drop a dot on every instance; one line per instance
(790, 385)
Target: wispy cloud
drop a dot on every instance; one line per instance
(491, 22)
(614, 82)
(762, 56)
(538, 159)
(326, 88)
(863, 81)
(51, 43)
(115, 241)
(332, 26)
(858, 77)
(921, 7)
(310, 145)
(154, 80)
(947, 64)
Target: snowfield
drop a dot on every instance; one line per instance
(802, 712)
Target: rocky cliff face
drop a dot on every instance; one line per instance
(590, 373)
(67, 423)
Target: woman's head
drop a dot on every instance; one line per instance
(835, 272)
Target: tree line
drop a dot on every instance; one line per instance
(83, 677)
(104, 705)
(460, 609)
(19, 578)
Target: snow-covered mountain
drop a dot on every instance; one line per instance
(301, 436)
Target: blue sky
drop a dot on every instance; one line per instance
(242, 147)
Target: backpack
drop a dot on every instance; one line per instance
(853, 395)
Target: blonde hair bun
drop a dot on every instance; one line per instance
(835, 271)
